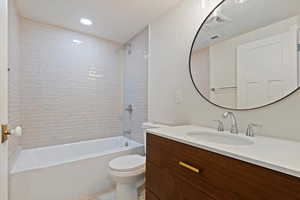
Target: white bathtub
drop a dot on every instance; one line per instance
(68, 171)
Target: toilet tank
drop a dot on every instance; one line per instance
(149, 125)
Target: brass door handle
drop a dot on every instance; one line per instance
(5, 132)
(187, 166)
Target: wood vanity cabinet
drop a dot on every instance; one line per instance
(176, 171)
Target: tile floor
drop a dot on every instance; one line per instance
(109, 195)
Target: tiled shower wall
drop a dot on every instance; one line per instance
(71, 91)
(135, 84)
(14, 96)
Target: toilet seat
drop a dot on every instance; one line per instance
(128, 163)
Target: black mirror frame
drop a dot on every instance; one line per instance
(195, 86)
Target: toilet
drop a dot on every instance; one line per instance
(129, 171)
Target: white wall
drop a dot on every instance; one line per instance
(135, 85)
(14, 107)
(69, 92)
(171, 39)
(200, 70)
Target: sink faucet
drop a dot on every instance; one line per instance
(220, 125)
(234, 126)
(250, 130)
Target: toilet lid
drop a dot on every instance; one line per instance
(127, 163)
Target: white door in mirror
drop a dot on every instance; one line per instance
(267, 69)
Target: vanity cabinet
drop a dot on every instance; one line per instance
(176, 171)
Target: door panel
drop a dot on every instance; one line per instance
(3, 97)
(267, 69)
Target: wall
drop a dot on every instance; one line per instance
(14, 92)
(200, 70)
(171, 39)
(135, 85)
(70, 92)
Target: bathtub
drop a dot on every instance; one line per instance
(68, 171)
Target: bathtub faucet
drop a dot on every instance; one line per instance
(127, 132)
(129, 109)
(129, 135)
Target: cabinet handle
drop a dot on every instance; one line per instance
(194, 169)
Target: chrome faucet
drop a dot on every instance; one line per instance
(250, 130)
(234, 127)
(129, 109)
(220, 125)
(127, 132)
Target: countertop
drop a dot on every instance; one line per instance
(272, 153)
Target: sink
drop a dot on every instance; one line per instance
(220, 138)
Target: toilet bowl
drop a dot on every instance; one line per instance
(129, 171)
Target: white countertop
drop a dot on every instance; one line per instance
(276, 154)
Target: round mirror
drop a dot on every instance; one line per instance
(246, 53)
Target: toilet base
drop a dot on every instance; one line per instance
(129, 180)
(126, 192)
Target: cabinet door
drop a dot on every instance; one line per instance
(160, 181)
(167, 186)
(150, 196)
(189, 191)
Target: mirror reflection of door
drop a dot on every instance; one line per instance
(245, 58)
(267, 69)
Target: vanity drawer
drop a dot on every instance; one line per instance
(159, 145)
(168, 162)
(168, 186)
(150, 195)
(189, 191)
(221, 177)
(160, 181)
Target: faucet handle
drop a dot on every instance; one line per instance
(250, 130)
(256, 125)
(220, 125)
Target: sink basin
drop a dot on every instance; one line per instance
(220, 138)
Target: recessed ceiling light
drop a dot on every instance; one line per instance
(240, 1)
(77, 42)
(86, 21)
